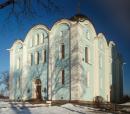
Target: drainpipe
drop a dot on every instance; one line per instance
(123, 75)
(48, 69)
(70, 64)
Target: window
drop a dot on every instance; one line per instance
(31, 42)
(18, 63)
(101, 45)
(63, 78)
(61, 51)
(100, 61)
(36, 58)
(41, 38)
(87, 35)
(17, 84)
(44, 55)
(87, 55)
(87, 79)
(36, 39)
(61, 33)
(30, 59)
(18, 50)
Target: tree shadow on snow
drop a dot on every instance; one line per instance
(19, 108)
(74, 110)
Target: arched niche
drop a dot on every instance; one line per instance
(61, 25)
(17, 46)
(38, 31)
(89, 30)
(112, 49)
(102, 42)
(60, 32)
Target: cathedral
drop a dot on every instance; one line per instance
(69, 62)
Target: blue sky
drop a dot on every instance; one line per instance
(110, 17)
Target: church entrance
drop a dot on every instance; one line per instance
(37, 89)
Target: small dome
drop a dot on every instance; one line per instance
(79, 17)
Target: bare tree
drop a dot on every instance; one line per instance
(6, 3)
(17, 12)
(28, 8)
(4, 83)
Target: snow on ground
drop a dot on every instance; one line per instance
(126, 104)
(19, 108)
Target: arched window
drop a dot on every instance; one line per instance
(30, 59)
(87, 79)
(87, 55)
(18, 63)
(62, 77)
(88, 35)
(44, 55)
(61, 33)
(36, 57)
(36, 39)
(41, 38)
(100, 61)
(62, 51)
(101, 45)
(30, 42)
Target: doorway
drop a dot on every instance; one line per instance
(37, 89)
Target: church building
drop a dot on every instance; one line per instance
(69, 62)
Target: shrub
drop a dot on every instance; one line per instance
(98, 100)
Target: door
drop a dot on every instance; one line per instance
(38, 89)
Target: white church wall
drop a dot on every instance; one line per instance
(85, 77)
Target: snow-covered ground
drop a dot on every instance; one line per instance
(19, 108)
(126, 106)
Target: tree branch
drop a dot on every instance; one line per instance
(5, 4)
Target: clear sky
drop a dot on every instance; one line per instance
(111, 17)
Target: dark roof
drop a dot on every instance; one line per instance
(79, 17)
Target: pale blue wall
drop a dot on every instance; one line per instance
(87, 67)
(17, 73)
(102, 69)
(60, 91)
(39, 71)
